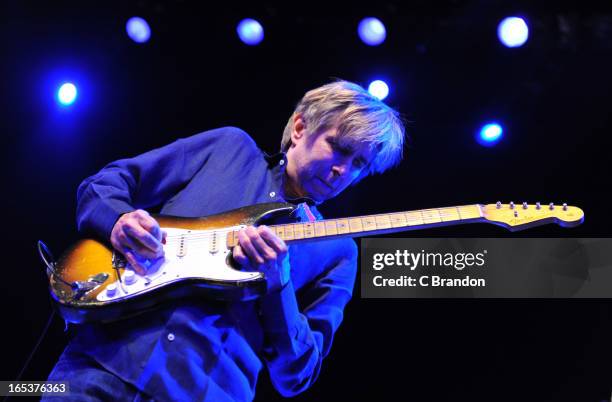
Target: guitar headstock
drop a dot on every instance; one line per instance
(522, 216)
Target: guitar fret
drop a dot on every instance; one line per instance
(469, 211)
(298, 230)
(414, 218)
(308, 230)
(330, 227)
(369, 223)
(382, 222)
(355, 225)
(319, 228)
(280, 231)
(343, 226)
(431, 216)
(397, 220)
(289, 232)
(449, 214)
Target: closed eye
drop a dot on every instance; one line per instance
(359, 163)
(344, 150)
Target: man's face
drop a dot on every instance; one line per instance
(320, 165)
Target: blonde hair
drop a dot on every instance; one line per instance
(359, 118)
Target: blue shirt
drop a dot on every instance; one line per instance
(211, 350)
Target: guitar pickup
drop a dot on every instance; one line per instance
(213, 245)
(181, 251)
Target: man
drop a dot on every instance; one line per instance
(212, 350)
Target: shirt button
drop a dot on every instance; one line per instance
(272, 194)
(170, 336)
(282, 162)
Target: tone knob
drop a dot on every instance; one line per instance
(498, 205)
(538, 205)
(129, 277)
(511, 205)
(111, 290)
(551, 206)
(564, 206)
(524, 205)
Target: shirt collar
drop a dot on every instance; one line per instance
(277, 163)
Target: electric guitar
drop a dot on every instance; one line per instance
(93, 282)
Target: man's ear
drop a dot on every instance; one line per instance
(299, 128)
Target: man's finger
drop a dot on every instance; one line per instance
(240, 257)
(151, 226)
(272, 239)
(131, 258)
(138, 249)
(263, 248)
(246, 242)
(144, 238)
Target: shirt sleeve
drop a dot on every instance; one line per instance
(147, 180)
(297, 341)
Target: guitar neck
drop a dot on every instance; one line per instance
(373, 224)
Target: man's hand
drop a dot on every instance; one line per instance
(260, 249)
(138, 236)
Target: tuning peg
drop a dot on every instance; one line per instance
(538, 206)
(511, 205)
(524, 205)
(564, 206)
(498, 205)
(551, 206)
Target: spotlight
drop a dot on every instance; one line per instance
(490, 134)
(513, 32)
(138, 30)
(250, 32)
(378, 89)
(372, 31)
(67, 94)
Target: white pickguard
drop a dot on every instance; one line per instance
(188, 254)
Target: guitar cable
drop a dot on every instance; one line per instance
(44, 253)
(34, 350)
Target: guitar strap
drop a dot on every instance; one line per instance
(308, 212)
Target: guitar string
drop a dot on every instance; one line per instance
(209, 234)
(442, 213)
(420, 219)
(222, 236)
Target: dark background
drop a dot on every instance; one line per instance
(448, 74)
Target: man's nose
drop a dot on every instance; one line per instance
(340, 169)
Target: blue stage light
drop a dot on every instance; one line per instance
(67, 94)
(372, 31)
(138, 30)
(250, 31)
(490, 134)
(378, 89)
(513, 32)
